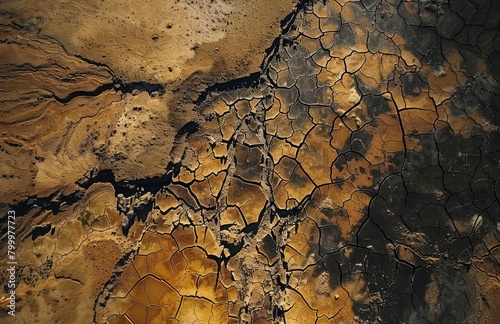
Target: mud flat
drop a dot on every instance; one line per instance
(219, 161)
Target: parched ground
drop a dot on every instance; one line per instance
(252, 162)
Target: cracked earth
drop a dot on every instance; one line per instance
(241, 162)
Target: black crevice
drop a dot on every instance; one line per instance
(40, 231)
(129, 187)
(150, 88)
(232, 248)
(278, 313)
(251, 228)
(119, 86)
(293, 212)
(252, 79)
(93, 93)
(188, 129)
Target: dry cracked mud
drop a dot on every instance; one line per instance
(237, 161)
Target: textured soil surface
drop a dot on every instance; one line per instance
(231, 161)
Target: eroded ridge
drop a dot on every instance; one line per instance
(356, 180)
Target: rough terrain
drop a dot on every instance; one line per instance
(326, 161)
